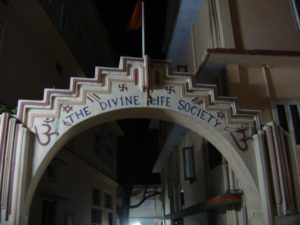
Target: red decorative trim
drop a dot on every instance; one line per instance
(264, 52)
(216, 202)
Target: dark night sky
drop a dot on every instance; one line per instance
(116, 16)
(137, 152)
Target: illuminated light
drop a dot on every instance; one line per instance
(137, 223)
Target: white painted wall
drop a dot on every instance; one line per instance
(77, 170)
(267, 24)
(75, 180)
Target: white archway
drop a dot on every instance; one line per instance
(211, 134)
(139, 88)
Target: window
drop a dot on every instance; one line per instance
(97, 144)
(189, 163)
(97, 196)
(182, 68)
(287, 115)
(296, 12)
(48, 212)
(51, 172)
(62, 15)
(108, 201)
(177, 221)
(96, 217)
(110, 218)
(182, 198)
(63, 18)
(214, 156)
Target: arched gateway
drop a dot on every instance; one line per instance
(138, 88)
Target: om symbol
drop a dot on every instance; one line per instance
(240, 137)
(47, 133)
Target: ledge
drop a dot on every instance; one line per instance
(216, 202)
(258, 57)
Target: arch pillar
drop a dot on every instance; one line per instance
(15, 162)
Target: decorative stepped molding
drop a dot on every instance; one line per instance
(145, 73)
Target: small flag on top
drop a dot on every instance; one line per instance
(136, 18)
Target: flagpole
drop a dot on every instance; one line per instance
(143, 29)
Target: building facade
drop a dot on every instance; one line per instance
(79, 185)
(42, 45)
(49, 41)
(249, 50)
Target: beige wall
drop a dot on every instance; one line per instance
(249, 86)
(240, 24)
(284, 83)
(264, 24)
(258, 87)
